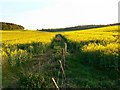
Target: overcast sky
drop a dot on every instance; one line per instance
(37, 14)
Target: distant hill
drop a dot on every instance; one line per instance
(81, 27)
(10, 26)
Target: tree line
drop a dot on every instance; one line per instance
(80, 27)
(10, 26)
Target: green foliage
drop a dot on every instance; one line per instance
(96, 54)
(33, 80)
(33, 47)
(11, 26)
(87, 76)
(14, 55)
(20, 53)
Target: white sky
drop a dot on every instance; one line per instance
(37, 14)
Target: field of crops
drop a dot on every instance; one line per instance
(23, 37)
(107, 34)
(97, 48)
(101, 40)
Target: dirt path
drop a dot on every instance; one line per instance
(46, 58)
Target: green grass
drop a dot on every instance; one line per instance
(86, 76)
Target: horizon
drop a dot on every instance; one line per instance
(40, 14)
(64, 27)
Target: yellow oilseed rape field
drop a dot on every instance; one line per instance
(106, 38)
(23, 37)
(108, 34)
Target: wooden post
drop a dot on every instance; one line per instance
(62, 68)
(63, 57)
(55, 83)
(65, 44)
